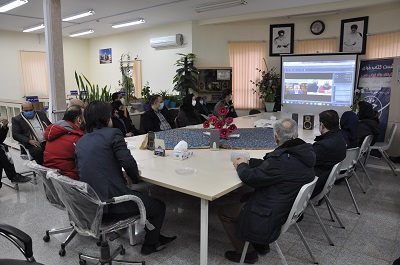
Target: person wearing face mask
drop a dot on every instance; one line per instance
(28, 128)
(121, 122)
(329, 148)
(227, 102)
(188, 114)
(117, 96)
(61, 138)
(202, 109)
(157, 118)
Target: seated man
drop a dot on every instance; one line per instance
(100, 156)
(5, 163)
(28, 128)
(227, 102)
(277, 180)
(121, 122)
(329, 148)
(157, 118)
(61, 139)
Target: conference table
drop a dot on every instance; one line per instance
(207, 175)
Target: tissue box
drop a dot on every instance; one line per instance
(182, 155)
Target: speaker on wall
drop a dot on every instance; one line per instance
(308, 122)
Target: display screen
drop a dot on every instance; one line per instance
(314, 83)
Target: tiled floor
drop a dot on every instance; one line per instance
(370, 238)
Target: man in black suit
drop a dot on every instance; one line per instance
(28, 128)
(157, 118)
(5, 160)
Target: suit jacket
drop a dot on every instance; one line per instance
(151, 122)
(100, 157)
(3, 133)
(21, 130)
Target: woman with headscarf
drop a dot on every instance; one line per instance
(201, 107)
(188, 114)
(368, 123)
(348, 126)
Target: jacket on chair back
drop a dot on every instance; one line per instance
(277, 180)
(61, 139)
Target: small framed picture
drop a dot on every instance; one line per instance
(105, 56)
(281, 39)
(223, 74)
(353, 35)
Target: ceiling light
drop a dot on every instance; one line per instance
(33, 28)
(128, 23)
(80, 33)
(79, 15)
(219, 5)
(11, 5)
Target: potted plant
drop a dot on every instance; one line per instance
(126, 82)
(174, 101)
(89, 92)
(166, 96)
(146, 94)
(267, 85)
(186, 74)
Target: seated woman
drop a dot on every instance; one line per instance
(188, 115)
(368, 123)
(121, 122)
(348, 126)
(202, 109)
(227, 102)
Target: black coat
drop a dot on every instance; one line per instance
(367, 127)
(330, 149)
(125, 126)
(277, 180)
(151, 122)
(188, 117)
(21, 131)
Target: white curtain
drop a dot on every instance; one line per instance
(34, 73)
(383, 45)
(316, 46)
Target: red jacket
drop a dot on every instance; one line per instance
(61, 138)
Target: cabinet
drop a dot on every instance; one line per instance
(212, 81)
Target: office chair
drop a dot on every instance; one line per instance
(254, 111)
(51, 194)
(299, 205)
(176, 120)
(364, 151)
(22, 241)
(85, 211)
(324, 195)
(382, 147)
(25, 155)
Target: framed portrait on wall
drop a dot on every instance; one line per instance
(281, 39)
(353, 35)
(105, 56)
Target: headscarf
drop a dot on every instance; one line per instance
(348, 125)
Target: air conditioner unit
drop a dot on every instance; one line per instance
(175, 40)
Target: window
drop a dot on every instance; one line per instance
(383, 45)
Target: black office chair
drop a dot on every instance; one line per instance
(176, 120)
(254, 111)
(22, 241)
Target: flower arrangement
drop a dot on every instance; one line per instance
(222, 123)
(268, 84)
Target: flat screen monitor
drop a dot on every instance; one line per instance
(312, 83)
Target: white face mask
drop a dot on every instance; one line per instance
(122, 101)
(193, 103)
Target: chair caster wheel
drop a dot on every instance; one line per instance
(98, 243)
(122, 252)
(46, 238)
(62, 252)
(82, 262)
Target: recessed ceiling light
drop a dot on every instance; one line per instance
(128, 23)
(11, 5)
(33, 28)
(80, 33)
(79, 15)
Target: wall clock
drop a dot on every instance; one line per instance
(317, 27)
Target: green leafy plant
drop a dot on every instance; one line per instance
(89, 92)
(175, 98)
(186, 74)
(126, 82)
(268, 84)
(146, 93)
(357, 98)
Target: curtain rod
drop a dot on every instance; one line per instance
(234, 41)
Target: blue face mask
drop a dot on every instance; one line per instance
(161, 106)
(201, 102)
(29, 114)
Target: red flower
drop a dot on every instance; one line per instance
(224, 133)
(213, 119)
(273, 87)
(219, 125)
(222, 111)
(206, 124)
(232, 128)
(229, 120)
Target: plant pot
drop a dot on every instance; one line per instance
(269, 106)
(166, 102)
(172, 104)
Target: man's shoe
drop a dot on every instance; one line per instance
(162, 242)
(20, 178)
(165, 239)
(250, 258)
(261, 248)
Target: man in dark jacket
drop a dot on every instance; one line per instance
(157, 118)
(100, 156)
(28, 128)
(61, 140)
(277, 179)
(329, 148)
(5, 161)
(227, 102)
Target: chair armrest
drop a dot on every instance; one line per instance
(138, 201)
(12, 233)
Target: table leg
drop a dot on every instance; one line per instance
(203, 232)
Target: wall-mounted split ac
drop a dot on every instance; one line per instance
(167, 41)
